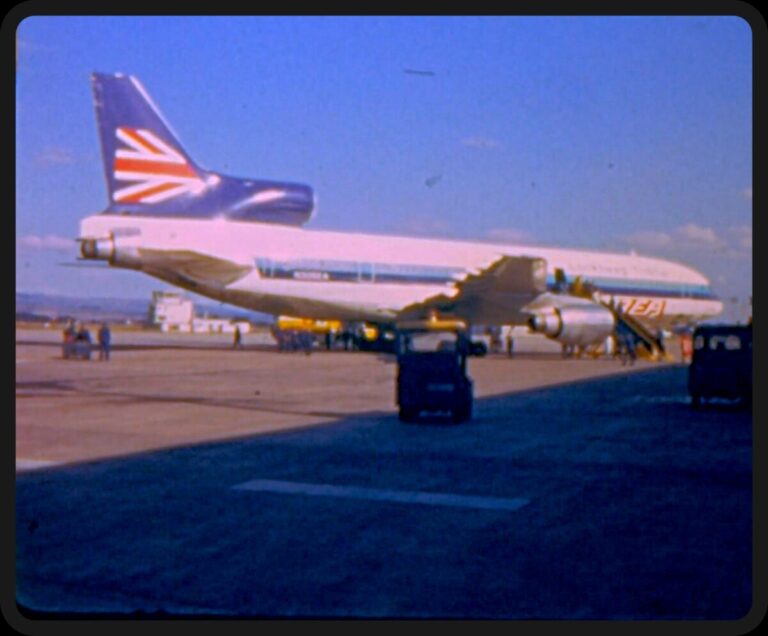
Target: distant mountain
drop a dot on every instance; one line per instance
(55, 306)
(31, 306)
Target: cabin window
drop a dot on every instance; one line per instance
(729, 343)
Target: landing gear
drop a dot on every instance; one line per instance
(572, 351)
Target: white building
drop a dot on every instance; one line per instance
(219, 325)
(173, 312)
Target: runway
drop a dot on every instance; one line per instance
(201, 481)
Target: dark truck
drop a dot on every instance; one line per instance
(721, 366)
(432, 370)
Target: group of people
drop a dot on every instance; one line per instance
(78, 341)
(293, 340)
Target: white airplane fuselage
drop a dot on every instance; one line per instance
(353, 276)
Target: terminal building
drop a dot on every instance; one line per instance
(173, 312)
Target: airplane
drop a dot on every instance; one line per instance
(242, 241)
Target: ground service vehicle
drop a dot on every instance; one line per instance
(721, 366)
(78, 349)
(432, 370)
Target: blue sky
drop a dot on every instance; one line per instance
(613, 133)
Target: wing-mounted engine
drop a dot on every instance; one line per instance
(580, 325)
(572, 314)
(575, 316)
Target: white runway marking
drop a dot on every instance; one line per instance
(658, 399)
(32, 464)
(374, 494)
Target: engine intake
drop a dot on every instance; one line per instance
(98, 249)
(580, 326)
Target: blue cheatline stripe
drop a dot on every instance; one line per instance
(666, 291)
(318, 270)
(623, 287)
(658, 293)
(327, 270)
(375, 494)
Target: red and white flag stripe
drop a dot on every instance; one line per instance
(156, 171)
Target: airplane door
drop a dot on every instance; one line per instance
(366, 272)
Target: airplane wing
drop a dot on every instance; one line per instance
(498, 293)
(191, 266)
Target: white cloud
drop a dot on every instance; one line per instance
(747, 193)
(742, 235)
(484, 143)
(426, 225)
(509, 235)
(648, 239)
(23, 44)
(55, 156)
(695, 241)
(692, 233)
(49, 242)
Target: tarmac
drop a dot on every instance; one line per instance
(186, 478)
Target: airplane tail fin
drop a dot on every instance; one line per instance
(143, 159)
(149, 173)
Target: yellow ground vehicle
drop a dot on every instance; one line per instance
(291, 323)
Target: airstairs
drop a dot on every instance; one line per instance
(647, 343)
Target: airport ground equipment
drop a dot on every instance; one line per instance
(292, 323)
(77, 349)
(293, 333)
(649, 344)
(380, 337)
(721, 366)
(432, 369)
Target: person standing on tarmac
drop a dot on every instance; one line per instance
(69, 334)
(627, 348)
(105, 341)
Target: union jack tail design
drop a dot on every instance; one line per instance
(149, 172)
(156, 170)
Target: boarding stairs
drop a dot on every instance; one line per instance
(647, 343)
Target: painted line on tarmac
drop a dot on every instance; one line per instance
(374, 494)
(23, 465)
